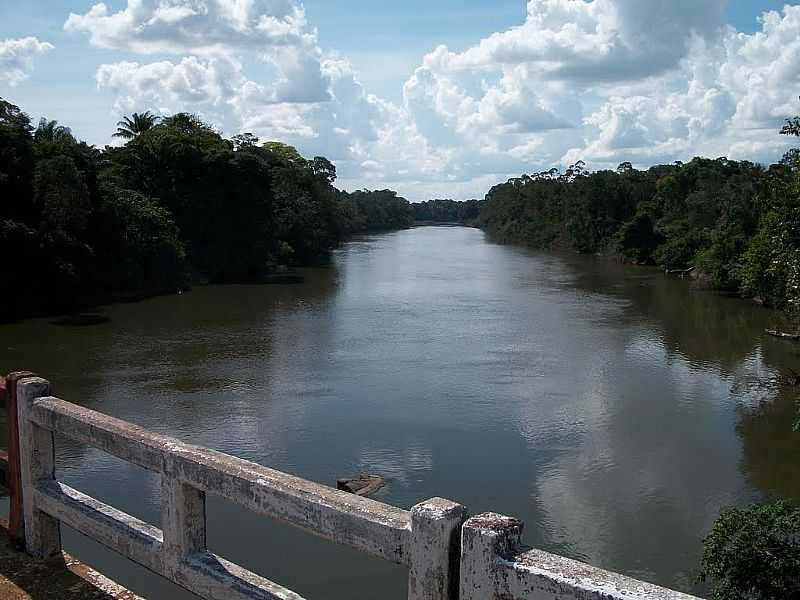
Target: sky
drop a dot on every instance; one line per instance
(433, 98)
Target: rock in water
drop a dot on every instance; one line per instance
(364, 485)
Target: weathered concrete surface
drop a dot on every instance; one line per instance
(200, 572)
(488, 563)
(366, 525)
(188, 472)
(433, 568)
(37, 463)
(493, 567)
(63, 578)
(537, 574)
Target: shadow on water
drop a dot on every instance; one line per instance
(80, 320)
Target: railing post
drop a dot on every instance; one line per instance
(433, 569)
(485, 540)
(37, 462)
(183, 521)
(14, 482)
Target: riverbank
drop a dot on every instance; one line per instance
(694, 278)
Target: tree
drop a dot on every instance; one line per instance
(753, 553)
(51, 131)
(323, 168)
(771, 263)
(138, 245)
(177, 198)
(792, 127)
(188, 123)
(130, 127)
(244, 140)
(16, 163)
(61, 194)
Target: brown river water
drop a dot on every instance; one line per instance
(614, 410)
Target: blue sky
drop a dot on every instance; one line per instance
(434, 98)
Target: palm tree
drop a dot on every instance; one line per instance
(130, 127)
(51, 131)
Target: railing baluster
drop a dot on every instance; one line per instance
(13, 478)
(433, 566)
(183, 521)
(37, 463)
(485, 540)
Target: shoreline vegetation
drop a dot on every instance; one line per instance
(729, 226)
(179, 205)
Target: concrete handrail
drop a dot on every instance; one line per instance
(449, 557)
(425, 539)
(494, 564)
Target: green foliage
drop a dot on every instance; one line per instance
(637, 240)
(792, 127)
(130, 127)
(446, 211)
(176, 202)
(16, 162)
(375, 211)
(701, 214)
(61, 195)
(753, 553)
(575, 209)
(771, 262)
(138, 244)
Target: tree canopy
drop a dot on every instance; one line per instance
(177, 203)
(129, 127)
(735, 223)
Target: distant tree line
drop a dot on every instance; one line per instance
(177, 203)
(737, 224)
(446, 211)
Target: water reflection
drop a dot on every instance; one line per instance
(614, 410)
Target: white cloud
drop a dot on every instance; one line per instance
(608, 81)
(595, 41)
(188, 85)
(726, 99)
(274, 29)
(604, 81)
(179, 26)
(16, 58)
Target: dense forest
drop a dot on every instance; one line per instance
(176, 204)
(447, 211)
(735, 225)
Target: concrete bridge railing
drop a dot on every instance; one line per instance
(447, 556)
(495, 565)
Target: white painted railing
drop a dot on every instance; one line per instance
(479, 561)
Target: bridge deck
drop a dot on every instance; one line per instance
(25, 578)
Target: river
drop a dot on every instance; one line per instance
(611, 408)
